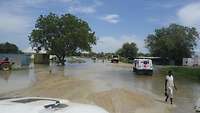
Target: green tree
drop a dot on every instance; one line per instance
(9, 48)
(61, 35)
(173, 42)
(140, 54)
(128, 50)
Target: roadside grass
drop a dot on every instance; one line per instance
(75, 60)
(191, 73)
(125, 60)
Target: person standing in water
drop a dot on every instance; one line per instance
(169, 86)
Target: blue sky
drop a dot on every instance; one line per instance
(114, 21)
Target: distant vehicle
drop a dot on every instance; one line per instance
(115, 59)
(45, 105)
(94, 58)
(143, 66)
(197, 106)
(5, 64)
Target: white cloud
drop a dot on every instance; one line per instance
(82, 9)
(17, 17)
(13, 19)
(74, 6)
(15, 22)
(190, 14)
(112, 44)
(111, 18)
(11, 23)
(78, 7)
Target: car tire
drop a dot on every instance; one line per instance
(6, 67)
(150, 73)
(134, 70)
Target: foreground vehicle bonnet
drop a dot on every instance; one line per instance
(45, 105)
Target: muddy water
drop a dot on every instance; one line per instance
(111, 86)
(108, 76)
(13, 80)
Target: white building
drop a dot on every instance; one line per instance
(188, 62)
(194, 61)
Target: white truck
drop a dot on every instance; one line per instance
(115, 59)
(45, 105)
(143, 66)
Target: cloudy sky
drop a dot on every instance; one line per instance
(114, 21)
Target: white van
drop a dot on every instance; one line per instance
(115, 59)
(143, 66)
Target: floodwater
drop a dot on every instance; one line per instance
(105, 77)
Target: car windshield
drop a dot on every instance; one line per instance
(146, 62)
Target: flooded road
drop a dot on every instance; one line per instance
(104, 83)
(13, 80)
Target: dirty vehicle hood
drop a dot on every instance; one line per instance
(37, 105)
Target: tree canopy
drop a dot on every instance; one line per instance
(128, 50)
(9, 48)
(140, 54)
(61, 35)
(173, 42)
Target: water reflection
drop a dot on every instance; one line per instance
(13, 80)
(5, 75)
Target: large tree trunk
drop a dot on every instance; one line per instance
(61, 60)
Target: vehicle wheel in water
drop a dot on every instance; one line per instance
(6, 67)
(150, 73)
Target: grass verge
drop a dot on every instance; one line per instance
(183, 72)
